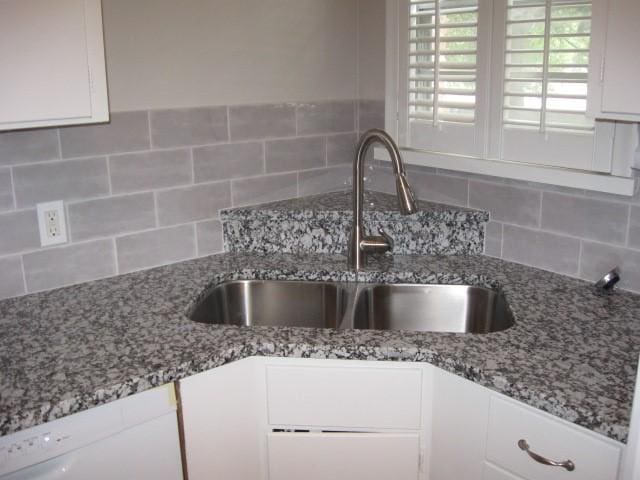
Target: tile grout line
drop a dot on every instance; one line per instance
(628, 231)
(195, 237)
(24, 274)
(115, 254)
(580, 251)
(540, 210)
(109, 182)
(156, 214)
(149, 130)
(13, 190)
(59, 143)
(193, 167)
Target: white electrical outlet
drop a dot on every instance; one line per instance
(52, 223)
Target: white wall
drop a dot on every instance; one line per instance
(371, 49)
(168, 53)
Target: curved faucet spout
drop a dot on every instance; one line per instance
(359, 243)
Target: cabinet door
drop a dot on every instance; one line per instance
(221, 416)
(615, 63)
(343, 456)
(53, 70)
(459, 427)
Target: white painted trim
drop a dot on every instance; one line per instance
(517, 171)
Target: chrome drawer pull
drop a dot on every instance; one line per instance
(567, 464)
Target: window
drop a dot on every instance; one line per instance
(443, 40)
(546, 65)
(500, 81)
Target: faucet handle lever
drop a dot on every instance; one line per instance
(380, 243)
(387, 238)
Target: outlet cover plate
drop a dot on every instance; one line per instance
(52, 223)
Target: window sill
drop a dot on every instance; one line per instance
(563, 177)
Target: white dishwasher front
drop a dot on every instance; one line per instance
(132, 438)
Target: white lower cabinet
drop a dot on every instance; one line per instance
(287, 419)
(343, 456)
(521, 440)
(491, 472)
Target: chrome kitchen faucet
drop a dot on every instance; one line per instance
(360, 244)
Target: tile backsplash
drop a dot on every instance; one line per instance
(573, 232)
(146, 189)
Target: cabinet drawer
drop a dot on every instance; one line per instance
(343, 456)
(491, 472)
(344, 397)
(594, 458)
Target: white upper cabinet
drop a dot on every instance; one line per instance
(615, 63)
(52, 69)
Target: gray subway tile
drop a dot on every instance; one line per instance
(193, 203)
(11, 281)
(585, 217)
(256, 190)
(634, 227)
(126, 132)
(295, 154)
(493, 239)
(19, 232)
(597, 259)
(439, 188)
(76, 263)
(326, 117)
(380, 179)
(209, 235)
(157, 247)
(67, 180)
(418, 169)
(6, 190)
(506, 203)
(233, 160)
(29, 146)
(370, 114)
(341, 148)
(473, 176)
(111, 216)
(331, 179)
(247, 122)
(541, 249)
(188, 126)
(150, 170)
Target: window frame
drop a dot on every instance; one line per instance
(614, 144)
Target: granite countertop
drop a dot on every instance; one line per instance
(571, 352)
(377, 207)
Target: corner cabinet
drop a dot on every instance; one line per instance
(53, 67)
(285, 419)
(614, 61)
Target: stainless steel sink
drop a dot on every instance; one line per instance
(429, 308)
(272, 303)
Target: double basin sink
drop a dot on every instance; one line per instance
(411, 307)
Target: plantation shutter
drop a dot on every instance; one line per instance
(546, 62)
(442, 76)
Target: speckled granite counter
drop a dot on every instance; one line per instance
(571, 353)
(322, 224)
